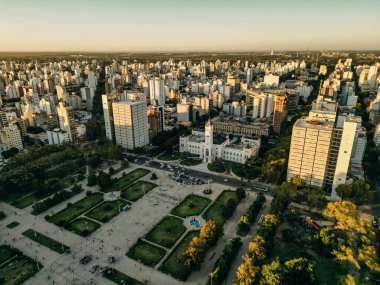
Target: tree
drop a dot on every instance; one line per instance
(94, 161)
(243, 225)
(328, 239)
(282, 197)
(104, 180)
(315, 197)
(344, 191)
(257, 249)
(299, 271)
(272, 273)
(359, 192)
(357, 238)
(10, 153)
(240, 193)
(229, 209)
(296, 180)
(91, 180)
(246, 272)
(153, 176)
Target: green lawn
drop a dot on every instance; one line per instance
(119, 277)
(215, 211)
(169, 157)
(191, 161)
(6, 252)
(128, 179)
(18, 270)
(68, 214)
(27, 200)
(173, 264)
(83, 226)
(146, 253)
(46, 241)
(12, 225)
(167, 231)
(137, 190)
(107, 210)
(192, 205)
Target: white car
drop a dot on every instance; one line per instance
(225, 180)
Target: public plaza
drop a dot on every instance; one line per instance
(142, 238)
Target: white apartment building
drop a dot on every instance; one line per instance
(67, 121)
(271, 80)
(11, 136)
(156, 91)
(131, 124)
(57, 136)
(321, 149)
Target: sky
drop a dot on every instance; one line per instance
(188, 25)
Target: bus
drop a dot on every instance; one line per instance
(260, 187)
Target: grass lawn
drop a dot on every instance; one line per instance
(191, 161)
(136, 190)
(83, 226)
(12, 225)
(75, 210)
(146, 253)
(119, 277)
(173, 265)
(128, 179)
(215, 212)
(6, 252)
(167, 231)
(18, 270)
(192, 205)
(107, 210)
(27, 201)
(169, 157)
(46, 241)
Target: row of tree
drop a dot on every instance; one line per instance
(250, 215)
(56, 199)
(198, 246)
(224, 262)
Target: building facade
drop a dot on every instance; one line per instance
(131, 124)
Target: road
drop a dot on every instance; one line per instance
(227, 180)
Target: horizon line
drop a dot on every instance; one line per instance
(193, 51)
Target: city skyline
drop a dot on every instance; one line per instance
(179, 26)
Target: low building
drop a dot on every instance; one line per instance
(210, 146)
(57, 136)
(240, 126)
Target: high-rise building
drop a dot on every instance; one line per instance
(280, 112)
(11, 136)
(155, 120)
(131, 124)
(156, 91)
(376, 136)
(107, 101)
(321, 149)
(67, 121)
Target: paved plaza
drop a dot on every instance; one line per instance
(115, 237)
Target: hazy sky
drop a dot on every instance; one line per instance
(188, 25)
